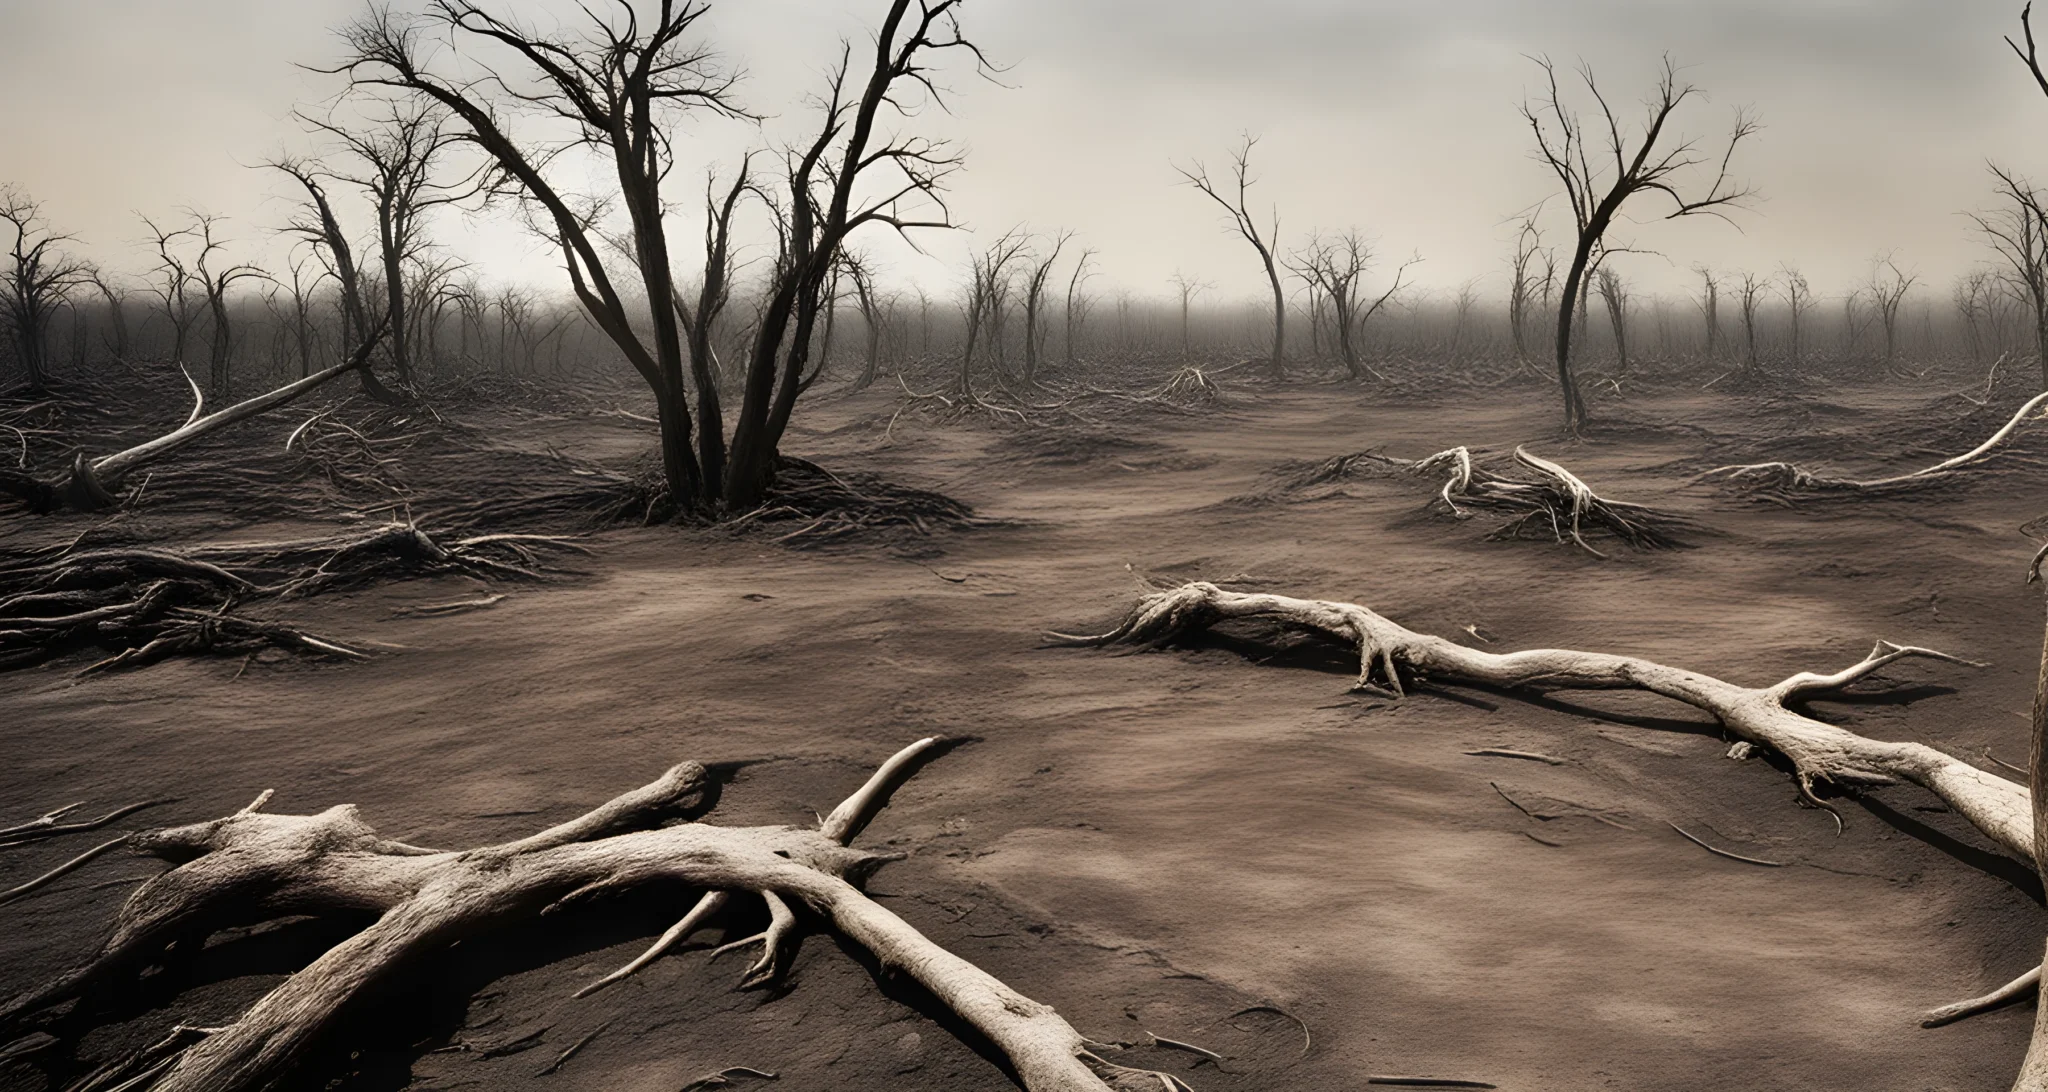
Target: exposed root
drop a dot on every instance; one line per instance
(1555, 500)
(1787, 481)
(1719, 852)
(2019, 989)
(253, 866)
(723, 1078)
(147, 603)
(831, 507)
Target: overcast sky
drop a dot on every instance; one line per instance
(1399, 119)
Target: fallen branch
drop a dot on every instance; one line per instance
(91, 483)
(1391, 657)
(1786, 479)
(253, 865)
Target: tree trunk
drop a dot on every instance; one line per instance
(1279, 359)
(1568, 383)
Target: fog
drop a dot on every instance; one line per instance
(1398, 119)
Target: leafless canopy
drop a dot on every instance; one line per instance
(1233, 195)
(1601, 165)
(38, 278)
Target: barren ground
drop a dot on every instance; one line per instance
(1153, 842)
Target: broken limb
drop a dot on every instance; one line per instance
(1787, 479)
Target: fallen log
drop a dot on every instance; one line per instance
(253, 866)
(1392, 657)
(91, 484)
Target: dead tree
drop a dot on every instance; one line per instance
(91, 484)
(38, 280)
(617, 83)
(2018, 232)
(396, 156)
(1761, 720)
(1186, 288)
(1597, 194)
(117, 316)
(1798, 301)
(1335, 270)
(1710, 308)
(215, 283)
(173, 286)
(1614, 295)
(305, 287)
(1234, 196)
(1751, 299)
(319, 226)
(989, 275)
(1078, 303)
(1035, 276)
(256, 865)
(1888, 289)
(1969, 295)
(1522, 286)
(861, 273)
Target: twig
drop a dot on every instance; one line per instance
(1496, 752)
(573, 1048)
(1722, 852)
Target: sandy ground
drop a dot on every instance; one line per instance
(1153, 842)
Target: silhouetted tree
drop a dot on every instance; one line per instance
(1234, 195)
(1596, 194)
(39, 278)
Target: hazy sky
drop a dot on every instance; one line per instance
(1397, 118)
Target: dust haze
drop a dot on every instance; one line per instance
(901, 545)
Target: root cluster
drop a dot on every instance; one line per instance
(1554, 503)
(142, 604)
(830, 507)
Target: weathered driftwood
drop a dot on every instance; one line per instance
(253, 866)
(1756, 717)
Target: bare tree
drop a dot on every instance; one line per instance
(2018, 231)
(173, 286)
(1614, 294)
(1888, 288)
(117, 316)
(1235, 199)
(1335, 269)
(1798, 301)
(1078, 302)
(1969, 293)
(1596, 194)
(1522, 283)
(318, 225)
(989, 275)
(1034, 305)
(1186, 288)
(1710, 308)
(38, 280)
(215, 281)
(861, 273)
(617, 83)
(396, 154)
(1750, 296)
